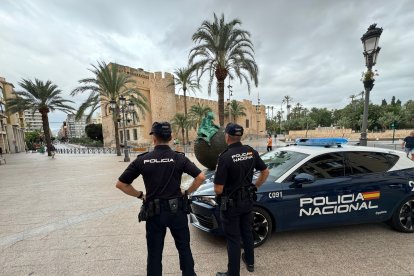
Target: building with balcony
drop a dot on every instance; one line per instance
(11, 125)
(4, 143)
(75, 128)
(33, 121)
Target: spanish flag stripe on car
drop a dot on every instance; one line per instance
(371, 195)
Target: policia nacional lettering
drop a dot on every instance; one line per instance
(242, 156)
(341, 204)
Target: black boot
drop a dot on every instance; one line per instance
(250, 267)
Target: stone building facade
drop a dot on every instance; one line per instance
(75, 128)
(164, 104)
(33, 121)
(11, 125)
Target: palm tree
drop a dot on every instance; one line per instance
(236, 110)
(181, 122)
(297, 111)
(42, 97)
(223, 50)
(108, 85)
(198, 112)
(287, 100)
(185, 79)
(279, 116)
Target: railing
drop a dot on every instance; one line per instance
(393, 146)
(187, 149)
(87, 151)
(133, 151)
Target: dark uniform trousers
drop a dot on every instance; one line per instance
(237, 223)
(156, 227)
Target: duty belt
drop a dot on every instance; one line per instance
(242, 195)
(156, 206)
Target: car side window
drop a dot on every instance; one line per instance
(361, 162)
(392, 159)
(327, 165)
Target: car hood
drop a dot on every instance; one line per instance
(207, 187)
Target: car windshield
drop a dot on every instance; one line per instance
(278, 162)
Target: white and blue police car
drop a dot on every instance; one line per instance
(319, 183)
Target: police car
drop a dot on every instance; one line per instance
(322, 182)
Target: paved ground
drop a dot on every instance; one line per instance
(64, 216)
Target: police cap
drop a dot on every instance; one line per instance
(234, 129)
(161, 129)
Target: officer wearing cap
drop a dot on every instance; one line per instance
(236, 193)
(164, 203)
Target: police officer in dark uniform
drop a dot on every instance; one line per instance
(164, 203)
(236, 193)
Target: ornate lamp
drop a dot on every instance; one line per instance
(370, 41)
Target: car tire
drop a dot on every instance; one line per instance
(403, 217)
(262, 226)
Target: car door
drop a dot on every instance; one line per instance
(378, 190)
(316, 204)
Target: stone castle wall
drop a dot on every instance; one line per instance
(347, 133)
(164, 104)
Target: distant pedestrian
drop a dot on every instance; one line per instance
(408, 145)
(1, 152)
(52, 150)
(269, 143)
(176, 141)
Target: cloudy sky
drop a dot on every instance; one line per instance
(309, 50)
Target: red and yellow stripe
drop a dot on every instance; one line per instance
(371, 195)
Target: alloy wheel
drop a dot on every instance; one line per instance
(260, 227)
(407, 215)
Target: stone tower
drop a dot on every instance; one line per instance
(162, 97)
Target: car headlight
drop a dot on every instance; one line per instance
(210, 200)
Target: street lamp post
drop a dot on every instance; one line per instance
(273, 121)
(125, 108)
(229, 99)
(370, 41)
(257, 121)
(257, 116)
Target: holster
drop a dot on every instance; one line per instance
(149, 209)
(143, 213)
(226, 203)
(252, 191)
(186, 203)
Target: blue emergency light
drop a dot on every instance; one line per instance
(321, 142)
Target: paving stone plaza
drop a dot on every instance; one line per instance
(64, 216)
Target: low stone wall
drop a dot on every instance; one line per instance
(347, 133)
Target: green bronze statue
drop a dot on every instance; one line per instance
(210, 142)
(207, 128)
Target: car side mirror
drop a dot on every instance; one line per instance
(302, 178)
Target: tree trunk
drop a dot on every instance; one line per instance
(46, 128)
(182, 132)
(221, 74)
(185, 112)
(118, 146)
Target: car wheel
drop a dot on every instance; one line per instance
(262, 226)
(403, 218)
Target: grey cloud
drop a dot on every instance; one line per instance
(310, 50)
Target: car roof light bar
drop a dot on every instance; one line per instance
(321, 142)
